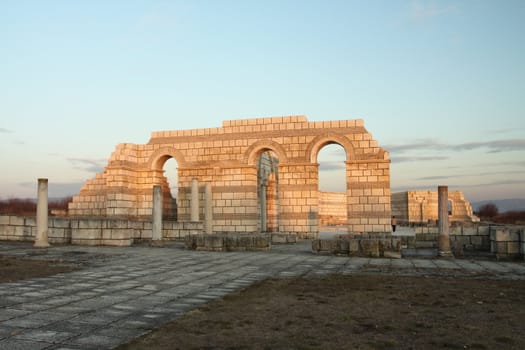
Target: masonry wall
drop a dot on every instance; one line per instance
(332, 208)
(501, 241)
(422, 206)
(92, 231)
(226, 158)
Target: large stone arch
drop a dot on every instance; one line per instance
(255, 149)
(160, 156)
(226, 158)
(322, 140)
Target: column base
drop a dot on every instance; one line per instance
(157, 243)
(41, 244)
(445, 254)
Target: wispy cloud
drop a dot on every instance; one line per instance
(57, 189)
(331, 166)
(494, 146)
(424, 144)
(502, 131)
(417, 159)
(458, 176)
(5, 131)
(90, 165)
(421, 10)
(497, 183)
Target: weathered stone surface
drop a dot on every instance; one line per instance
(422, 207)
(233, 160)
(228, 242)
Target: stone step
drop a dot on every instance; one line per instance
(419, 252)
(426, 244)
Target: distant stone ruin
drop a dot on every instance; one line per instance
(332, 209)
(422, 207)
(263, 175)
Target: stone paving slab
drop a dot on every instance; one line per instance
(122, 293)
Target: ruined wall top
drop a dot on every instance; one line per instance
(260, 125)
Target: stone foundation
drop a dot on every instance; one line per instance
(229, 242)
(93, 231)
(499, 241)
(373, 246)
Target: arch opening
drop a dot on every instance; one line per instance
(332, 187)
(268, 191)
(170, 184)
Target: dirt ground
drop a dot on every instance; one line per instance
(354, 312)
(374, 311)
(14, 269)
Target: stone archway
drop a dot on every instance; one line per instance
(268, 191)
(156, 163)
(226, 158)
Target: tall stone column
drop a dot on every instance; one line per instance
(156, 235)
(194, 205)
(444, 238)
(264, 213)
(41, 216)
(208, 209)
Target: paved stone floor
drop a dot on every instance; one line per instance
(122, 293)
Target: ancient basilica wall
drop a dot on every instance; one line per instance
(278, 192)
(421, 206)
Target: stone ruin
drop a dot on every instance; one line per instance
(263, 174)
(421, 207)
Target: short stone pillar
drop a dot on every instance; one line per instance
(194, 203)
(156, 235)
(444, 237)
(208, 209)
(41, 215)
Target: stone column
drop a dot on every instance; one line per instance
(264, 216)
(194, 214)
(156, 235)
(444, 238)
(41, 216)
(208, 209)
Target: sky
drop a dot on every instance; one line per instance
(439, 84)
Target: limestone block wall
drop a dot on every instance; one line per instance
(227, 158)
(92, 231)
(422, 206)
(502, 241)
(19, 228)
(332, 208)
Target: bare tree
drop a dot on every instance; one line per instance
(489, 210)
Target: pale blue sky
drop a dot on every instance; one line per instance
(440, 84)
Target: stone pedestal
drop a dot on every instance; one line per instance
(208, 209)
(194, 210)
(443, 225)
(156, 236)
(41, 215)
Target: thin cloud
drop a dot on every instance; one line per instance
(5, 131)
(442, 177)
(56, 189)
(457, 176)
(90, 165)
(497, 183)
(417, 159)
(495, 146)
(424, 144)
(421, 11)
(331, 166)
